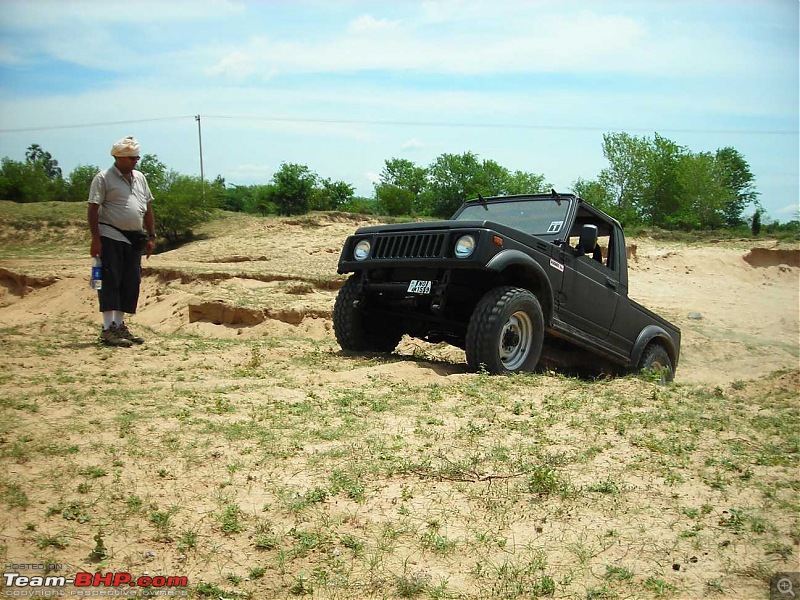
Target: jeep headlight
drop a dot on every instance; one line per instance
(361, 251)
(465, 246)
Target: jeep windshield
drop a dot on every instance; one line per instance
(533, 216)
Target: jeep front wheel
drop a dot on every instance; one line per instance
(505, 332)
(357, 331)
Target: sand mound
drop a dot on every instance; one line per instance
(253, 283)
(764, 257)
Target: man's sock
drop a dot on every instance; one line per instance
(119, 317)
(108, 318)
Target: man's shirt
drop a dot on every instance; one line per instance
(122, 204)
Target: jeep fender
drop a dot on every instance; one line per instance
(647, 335)
(531, 276)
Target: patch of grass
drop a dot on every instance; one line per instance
(187, 541)
(257, 572)
(438, 543)
(76, 511)
(58, 542)
(411, 585)
(544, 480)
(13, 496)
(210, 590)
(659, 587)
(162, 520)
(134, 503)
(266, 541)
(301, 585)
(94, 472)
(617, 573)
(349, 484)
(305, 541)
(371, 476)
(230, 519)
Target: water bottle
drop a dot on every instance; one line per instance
(97, 273)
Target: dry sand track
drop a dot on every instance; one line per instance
(264, 276)
(240, 406)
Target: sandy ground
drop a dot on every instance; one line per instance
(737, 304)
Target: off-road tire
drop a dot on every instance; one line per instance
(356, 331)
(655, 358)
(505, 332)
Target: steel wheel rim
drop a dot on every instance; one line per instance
(515, 340)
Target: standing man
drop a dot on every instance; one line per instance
(122, 225)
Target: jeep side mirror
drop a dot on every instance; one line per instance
(588, 240)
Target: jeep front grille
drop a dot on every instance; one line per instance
(410, 245)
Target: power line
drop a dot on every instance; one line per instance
(478, 125)
(398, 123)
(85, 125)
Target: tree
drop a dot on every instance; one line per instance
(394, 200)
(593, 192)
(263, 200)
(735, 173)
(703, 196)
(755, 225)
(294, 185)
(332, 194)
(661, 193)
(404, 174)
(36, 156)
(235, 198)
(80, 180)
(520, 182)
(179, 203)
(452, 179)
(491, 179)
(625, 176)
(156, 172)
(38, 179)
(25, 182)
(359, 205)
(663, 184)
(180, 207)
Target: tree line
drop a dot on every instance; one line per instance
(649, 182)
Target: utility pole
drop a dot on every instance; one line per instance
(202, 176)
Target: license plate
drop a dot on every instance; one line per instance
(420, 286)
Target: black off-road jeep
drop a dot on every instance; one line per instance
(515, 281)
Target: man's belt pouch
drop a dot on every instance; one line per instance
(136, 237)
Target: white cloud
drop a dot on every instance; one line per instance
(85, 32)
(534, 38)
(367, 24)
(372, 177)
(237, 65)
(412, 144)
(54, 14)
(250, 172)
(9, 55)
(788, 212)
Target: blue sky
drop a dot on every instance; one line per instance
(343, 86)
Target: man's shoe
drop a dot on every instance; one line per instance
(111, 337)
(125, 334)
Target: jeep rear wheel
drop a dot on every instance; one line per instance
(357, 331)
(505, 332)
(655, 359)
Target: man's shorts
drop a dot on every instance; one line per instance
(122, 275)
